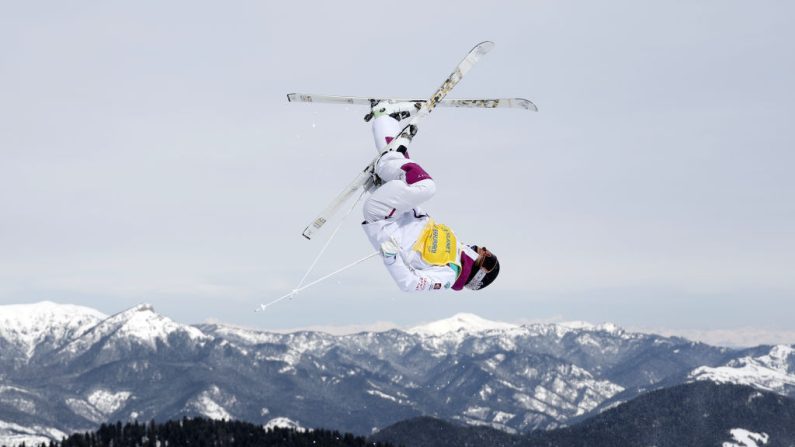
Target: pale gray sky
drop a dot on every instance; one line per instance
(148, 154)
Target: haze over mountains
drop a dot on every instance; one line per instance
(67, 368)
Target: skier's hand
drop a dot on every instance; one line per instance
(390, 248)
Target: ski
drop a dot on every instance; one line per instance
(497, 103)
(426, 108)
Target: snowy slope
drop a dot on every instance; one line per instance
(464, 322)
(138, 326)
(46, 324)
(14, 434)
(746, 438)
(282, 422)
(774, 371)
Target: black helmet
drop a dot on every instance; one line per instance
(484, 272)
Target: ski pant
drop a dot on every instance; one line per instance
(406, 185)
(395, 197)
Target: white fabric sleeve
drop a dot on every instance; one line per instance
(410, 279)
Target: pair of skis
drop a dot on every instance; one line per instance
(499, 103)
(426, 106)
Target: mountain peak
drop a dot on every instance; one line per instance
(460, 322)
(140, 324)
(771, 371)
(143, 323)
(30, 324)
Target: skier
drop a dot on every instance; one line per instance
(419, 253)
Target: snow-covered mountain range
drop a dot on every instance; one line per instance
(68, 368)
(774, 370)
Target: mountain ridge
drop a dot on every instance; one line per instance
(697, 413)
(137, 364)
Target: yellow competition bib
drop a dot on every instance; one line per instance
(436, 244)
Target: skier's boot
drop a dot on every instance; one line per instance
(397, 110)
(405, 138)
(374, 182)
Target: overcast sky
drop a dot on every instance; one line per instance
(148, 154)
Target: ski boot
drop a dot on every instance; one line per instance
(374, 182)
(397, 110)
(405, 138)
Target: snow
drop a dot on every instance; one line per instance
(17, 398)
(769, 372)
(485, 392)
(245, 336)
(283, 422)
(746, 438)
(209, 408)
(287, 370)
(494, 425)
(462, 322)
(147, 326)
(502, 417)
(28, 325)
(11, 388)
(585, 326)
(566, 327)
(22, 404)
(85, 410)
(494, 362)
(140, 323)
(12, 434)
(477, 412)
(207, 404)
(383, 396)
(108, 402)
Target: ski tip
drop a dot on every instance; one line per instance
(527, 104)
(290, 97)
(484, 47)
(307, 234)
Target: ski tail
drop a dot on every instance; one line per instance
(337, 203)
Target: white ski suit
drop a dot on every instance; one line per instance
(429, 256)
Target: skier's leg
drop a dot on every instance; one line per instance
(385, 128)
(396, 197)
(405, 184)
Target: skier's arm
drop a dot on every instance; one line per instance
(410, 279)
(407, 277)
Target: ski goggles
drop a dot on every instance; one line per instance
(488, 260)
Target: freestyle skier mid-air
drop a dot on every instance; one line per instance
(418, 252)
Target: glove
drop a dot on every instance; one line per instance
(390, 248)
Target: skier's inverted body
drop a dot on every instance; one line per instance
(419, 253)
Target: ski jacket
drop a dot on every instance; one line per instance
(412, 270)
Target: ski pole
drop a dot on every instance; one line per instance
(294, 292)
